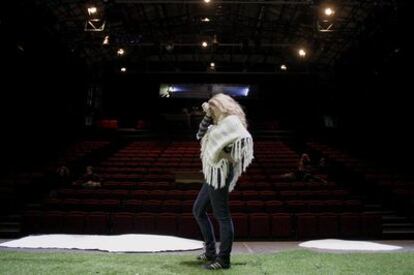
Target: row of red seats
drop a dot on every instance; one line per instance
(251, 206)
(78, 150)
(107, 124)
(192, 194)
(242, 185)
(139, 177)
(255, 225)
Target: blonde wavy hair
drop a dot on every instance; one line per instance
(228, 106)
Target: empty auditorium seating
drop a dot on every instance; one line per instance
(281, 225)
(74, 222)
(139, 194)
(328, 225)
(350, 224)
(188, 227)
(166, 224)
(122, 223)
(259, 225)
(96, 223)
(307, 225)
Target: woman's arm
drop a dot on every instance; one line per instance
(207, 121)
(202, 129)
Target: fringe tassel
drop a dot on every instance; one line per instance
(242, 154)
(216, 174)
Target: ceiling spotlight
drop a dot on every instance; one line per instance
(328, 11)
(169, 47)
(206, 1)
(123, 69)
(92, 10)
(120, 51)
(204, 44)
(215, 40)
(20, 47)
(106, 40)
(283, 67)
(302, 52)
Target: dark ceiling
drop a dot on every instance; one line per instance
(243, 35)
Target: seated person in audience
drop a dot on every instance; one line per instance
(187, 117)
(61, 178)
(305, 170)
(89, 179)
(63, 174)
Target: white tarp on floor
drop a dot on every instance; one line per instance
(117, 243)
(348, 245)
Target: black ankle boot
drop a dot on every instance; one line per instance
(206, 257)
(217, 264)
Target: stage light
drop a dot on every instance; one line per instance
(283, 67)
(94, 21)
(302, 52)
(204, 44)
(326, 20)
(215, 40)
(329, 11)
(169, 47)
(205, 19)
(106, 40)
(121, 51)
(123, 69)
(92, 10)
(212, 65)
(206, 1)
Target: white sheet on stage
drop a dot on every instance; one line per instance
(117, 243)
(347, 245)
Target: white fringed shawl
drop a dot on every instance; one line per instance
(230, 130)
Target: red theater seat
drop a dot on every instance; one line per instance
(32, 221)
(133, 206)
(71, 204)
(96, 223)
(151, 206)
(371, 225)
(350, 225)
(307, 225)
(259, 225)
(166, 224)
(145, 223)
(296, 206)
(139, 194)
(52, 222)
(240, 223)
(254, 206)
(237, 206)
(316, 206)
(267, 195)
(274, 206)
(187, 206)
(328, 225)
(251, 195)
(188, 227)
(122, 223)
(171, 206)
(74, 222)
(110, 205)
(281, 225)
